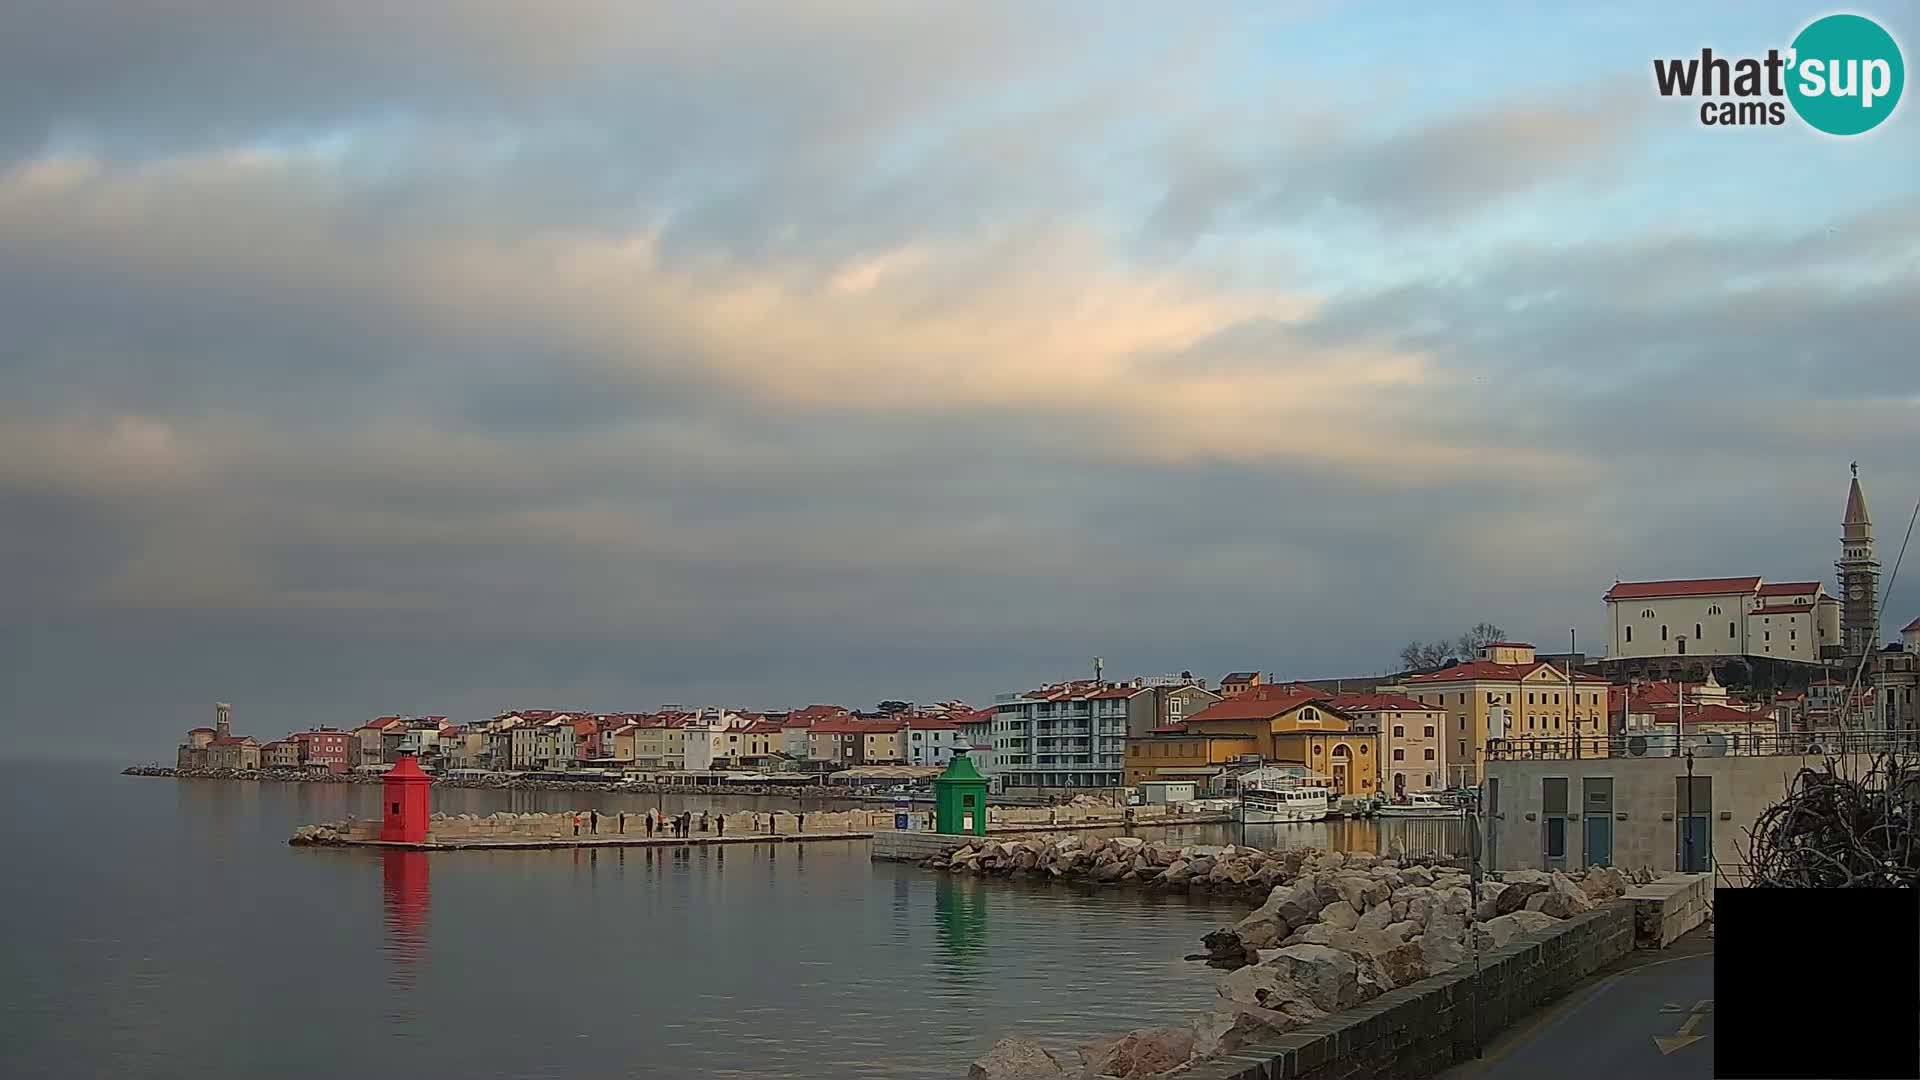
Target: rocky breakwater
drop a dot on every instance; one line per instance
(1333, 933)
(1230, 871)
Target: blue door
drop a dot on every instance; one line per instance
(1696, 844)
(1599, 840)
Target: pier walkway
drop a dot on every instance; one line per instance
(1651, 1016)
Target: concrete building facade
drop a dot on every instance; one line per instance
(1412, 753)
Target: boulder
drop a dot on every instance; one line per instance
(1340, 915)
(1224, 950)
(1111, 871)
(1516, 894)
(1453, 901)
(1416, 875)
(1300, 904)
(1377, 917)
(1262, 929)
(1329, 977)
(1562, 899)
(1267, 988)
(1400, 965)
(1489, 900)
(1403, 930)
(1419, 902)
(1604, 883)
(1016, 1058)
(1201, 866)
(1443, 944)
(1126, 843)
(1233, 1026)
(1146, 1052)
(1177, 872)
(1531, 922)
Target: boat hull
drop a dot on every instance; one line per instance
(1288, 815)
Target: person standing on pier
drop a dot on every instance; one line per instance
(576, 823)
(593, 821)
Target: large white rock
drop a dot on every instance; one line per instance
(1340, 915)
(1377, 917)
(1562, 899)
(1330, 978)
(1016, 1058)
(1146, 1052)
(1233, 1026)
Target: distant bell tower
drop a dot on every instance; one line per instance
(222, 720)
(1859, 575)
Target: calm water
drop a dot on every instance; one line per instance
(164, 928)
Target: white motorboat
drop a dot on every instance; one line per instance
(1420, 805)
(1280, 806)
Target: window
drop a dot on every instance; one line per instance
(1730, 630)
(1429, 753)
(1429, 779)
(1556, 699)
(1530, 700)
(1363, 749)
(1401, 755)
(1400, 731)
(1767, 636)
(1793, 635)
(1697, 635)
(396, 808)
(1663, 631)
(1629, 633)
(1714, 610)
(1647, 614)
(1463, 748)
(1429, 731)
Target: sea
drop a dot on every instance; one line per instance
(164, 928)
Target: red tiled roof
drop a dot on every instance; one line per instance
(1707, 714)
(199, 730)
(932, 723)
(763, 727)
(1648, 590)
(1492, 672)
(1112, 692)
(1788, 588)
(1380, 702)
(839, 725)
(384, 723)
(1911, 627)
(1260, 703)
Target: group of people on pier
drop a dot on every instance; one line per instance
(658, 823)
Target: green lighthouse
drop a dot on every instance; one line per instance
(960, 798)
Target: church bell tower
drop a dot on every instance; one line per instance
(1859, 575)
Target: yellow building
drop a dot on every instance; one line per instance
(662, 747)
(1284, 724)
(1173, 754)
(1507, 693)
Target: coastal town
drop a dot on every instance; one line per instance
(1716, 668)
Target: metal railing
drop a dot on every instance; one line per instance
(1707, 744)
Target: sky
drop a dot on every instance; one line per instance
(449, 358)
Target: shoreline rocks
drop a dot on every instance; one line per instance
(1333, 932)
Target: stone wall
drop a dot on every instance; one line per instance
(1669, 907)
(1428, 1026)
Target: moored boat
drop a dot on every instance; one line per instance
(1419, 804)
(1280, 806)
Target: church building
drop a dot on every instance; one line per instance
(1748, 617)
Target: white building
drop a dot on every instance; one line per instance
(1071, 735)
(1721, 617)
(930, 740)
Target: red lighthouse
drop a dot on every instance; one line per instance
(406, 802)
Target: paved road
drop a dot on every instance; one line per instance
(1651, 1018)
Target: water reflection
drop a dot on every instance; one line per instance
(406, 901)
(960, 920)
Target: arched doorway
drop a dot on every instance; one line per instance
(1342, 763)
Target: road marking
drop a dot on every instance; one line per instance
(1685, 1037)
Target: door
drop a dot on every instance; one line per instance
(1696, 844)
(1553, 813)
(1599, 840)
(1596, 808)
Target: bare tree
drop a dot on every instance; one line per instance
(1430, 655)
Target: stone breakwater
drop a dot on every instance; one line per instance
(508, 826)
(1333, 932)
(1244, 873)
